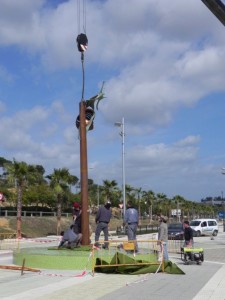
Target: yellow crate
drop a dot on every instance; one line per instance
(128, 246)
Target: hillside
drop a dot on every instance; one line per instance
(43, 226)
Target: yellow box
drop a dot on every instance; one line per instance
(128, 246)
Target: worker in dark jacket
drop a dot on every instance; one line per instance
(131, 220)
(188, 235)
(102, 220)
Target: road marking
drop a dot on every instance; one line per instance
(214, 262)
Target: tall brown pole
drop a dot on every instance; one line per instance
(84, 176)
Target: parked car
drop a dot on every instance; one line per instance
(204, 227)
(175, 231)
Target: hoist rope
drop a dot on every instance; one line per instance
(83, 76)
(84, 16)
(82, 39)
(81, 23)
(78, 16)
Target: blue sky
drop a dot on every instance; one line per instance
(164, 71)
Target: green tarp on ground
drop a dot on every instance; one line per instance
(120, 258)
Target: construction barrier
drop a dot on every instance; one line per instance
(173, 245)
(43, 253)
(144, 252)
(8, 241)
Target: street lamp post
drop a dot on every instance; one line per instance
(121, 124)
(223, 173)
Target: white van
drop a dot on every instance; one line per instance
(205, 227)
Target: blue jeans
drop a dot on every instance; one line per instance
(165, 251)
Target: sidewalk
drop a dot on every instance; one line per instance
(215, 287)
(205, 282)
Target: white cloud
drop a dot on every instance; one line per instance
(29, 136)
(157, 57)
(16, 17)
(188, 141)
(161, 156)
(208, 76)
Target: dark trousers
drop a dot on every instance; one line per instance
(131, 233)
(102, 227)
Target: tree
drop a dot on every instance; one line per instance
(130, 193)
(161, 200)
(60, 182)
(4, 161)
(110, 191)
(186, 207)
(19, 174)
(40, 195)
(3, 180)
(178, 200)
(92, 192)
(149, 198)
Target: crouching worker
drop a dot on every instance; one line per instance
(71, 238)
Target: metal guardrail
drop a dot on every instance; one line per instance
(173, 245)
(8, 241)
(142, 229)
(13, 213)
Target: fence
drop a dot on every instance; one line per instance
(173, 246)
(12, 213)
(124, 254)
(8, 241)
(141, 229)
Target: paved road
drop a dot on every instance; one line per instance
(205, 282)
(199, 282)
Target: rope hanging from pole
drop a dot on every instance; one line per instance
(82, 44)
(79, 17)
(82, 40)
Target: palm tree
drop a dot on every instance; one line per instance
(178, 200)
(186, 207)
(161, 198)
(110, 190)
(149, 198)
(92, 192)
(19, 174)
(60, 182)
(168, 206)
(131, 193)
